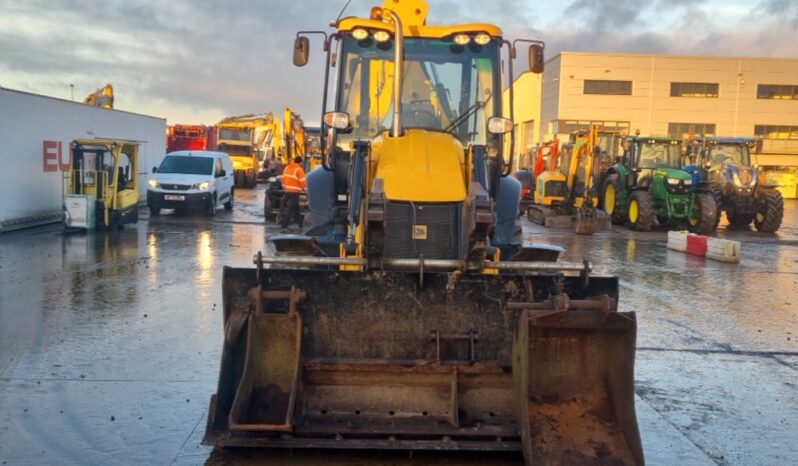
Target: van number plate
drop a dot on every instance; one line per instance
(174, 197)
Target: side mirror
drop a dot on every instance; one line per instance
(536, 58)
(499, 125)
(221, 174)
(337, 120)
(301, 51)
(155, 169)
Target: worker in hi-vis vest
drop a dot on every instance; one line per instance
(293, 184)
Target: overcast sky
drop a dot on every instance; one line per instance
(197, 61)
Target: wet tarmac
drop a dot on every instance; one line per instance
(110, 344)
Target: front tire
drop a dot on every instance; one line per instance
(229, 204)
(268, 208)
(704, 214)
(771, 212)
(611, 199)
(212, 206)
(641, 211)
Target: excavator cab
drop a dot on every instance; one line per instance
(411, 315)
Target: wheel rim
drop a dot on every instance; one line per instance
(609, 199)
(696, 213)
(634, 211)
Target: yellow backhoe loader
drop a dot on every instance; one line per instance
(102, 97)
(293, 145)
(564, 196)
(100, 189)
(410, 315)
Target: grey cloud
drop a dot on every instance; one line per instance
(217, 58)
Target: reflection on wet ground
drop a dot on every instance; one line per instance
(110, 343)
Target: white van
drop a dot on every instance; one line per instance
(195, 179)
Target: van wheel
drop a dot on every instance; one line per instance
(229, 204)
(212, 206)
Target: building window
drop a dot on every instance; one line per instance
(777, 91)
(681, 130)
(694, 89)
(593, 86)
(776, 131)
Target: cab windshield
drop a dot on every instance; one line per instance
(724, 153)
(447, 87)
(186, 165)
(659, 154)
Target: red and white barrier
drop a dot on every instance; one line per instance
(722, 250)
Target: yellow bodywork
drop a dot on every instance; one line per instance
(419, 166)
(543, 188)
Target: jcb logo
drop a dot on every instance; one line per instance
(53, 157)
(419, 232)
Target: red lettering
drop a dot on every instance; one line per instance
(64, 166)
(50, 155)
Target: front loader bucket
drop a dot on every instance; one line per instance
(401, 360)
(575, 382)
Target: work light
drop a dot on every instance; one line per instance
(482, 39)
(462, 39)
(381, 36)
(360, 34)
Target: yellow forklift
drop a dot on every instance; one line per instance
(100, 189)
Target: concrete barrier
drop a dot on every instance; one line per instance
(718, 249)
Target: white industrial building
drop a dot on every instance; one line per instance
(36, 132)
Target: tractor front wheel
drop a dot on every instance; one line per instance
(611, 199)
(771, 211)
(641, 211)
(704, 214)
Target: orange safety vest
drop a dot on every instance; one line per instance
(294, 178)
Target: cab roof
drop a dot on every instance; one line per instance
(199, 153)
(427, 31)
(414, 21)
(724, 140)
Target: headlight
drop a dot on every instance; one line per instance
(462, 39)
(381, 36)
(360, 34)
(202, 186)
(482, 39)
(688, 182)
(673, 181)
(153, 184)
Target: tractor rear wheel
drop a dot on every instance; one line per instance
(771, 211)
(611, 198)
(703, 215)
(641, 211)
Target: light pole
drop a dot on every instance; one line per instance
(72, 92)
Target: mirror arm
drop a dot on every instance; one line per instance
(507, 170)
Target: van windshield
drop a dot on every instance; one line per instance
(186, 165)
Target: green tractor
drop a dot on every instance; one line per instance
(647, 188)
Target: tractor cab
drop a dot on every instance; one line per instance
(647, 155)
(100, 189)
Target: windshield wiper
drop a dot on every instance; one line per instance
(464, 117)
